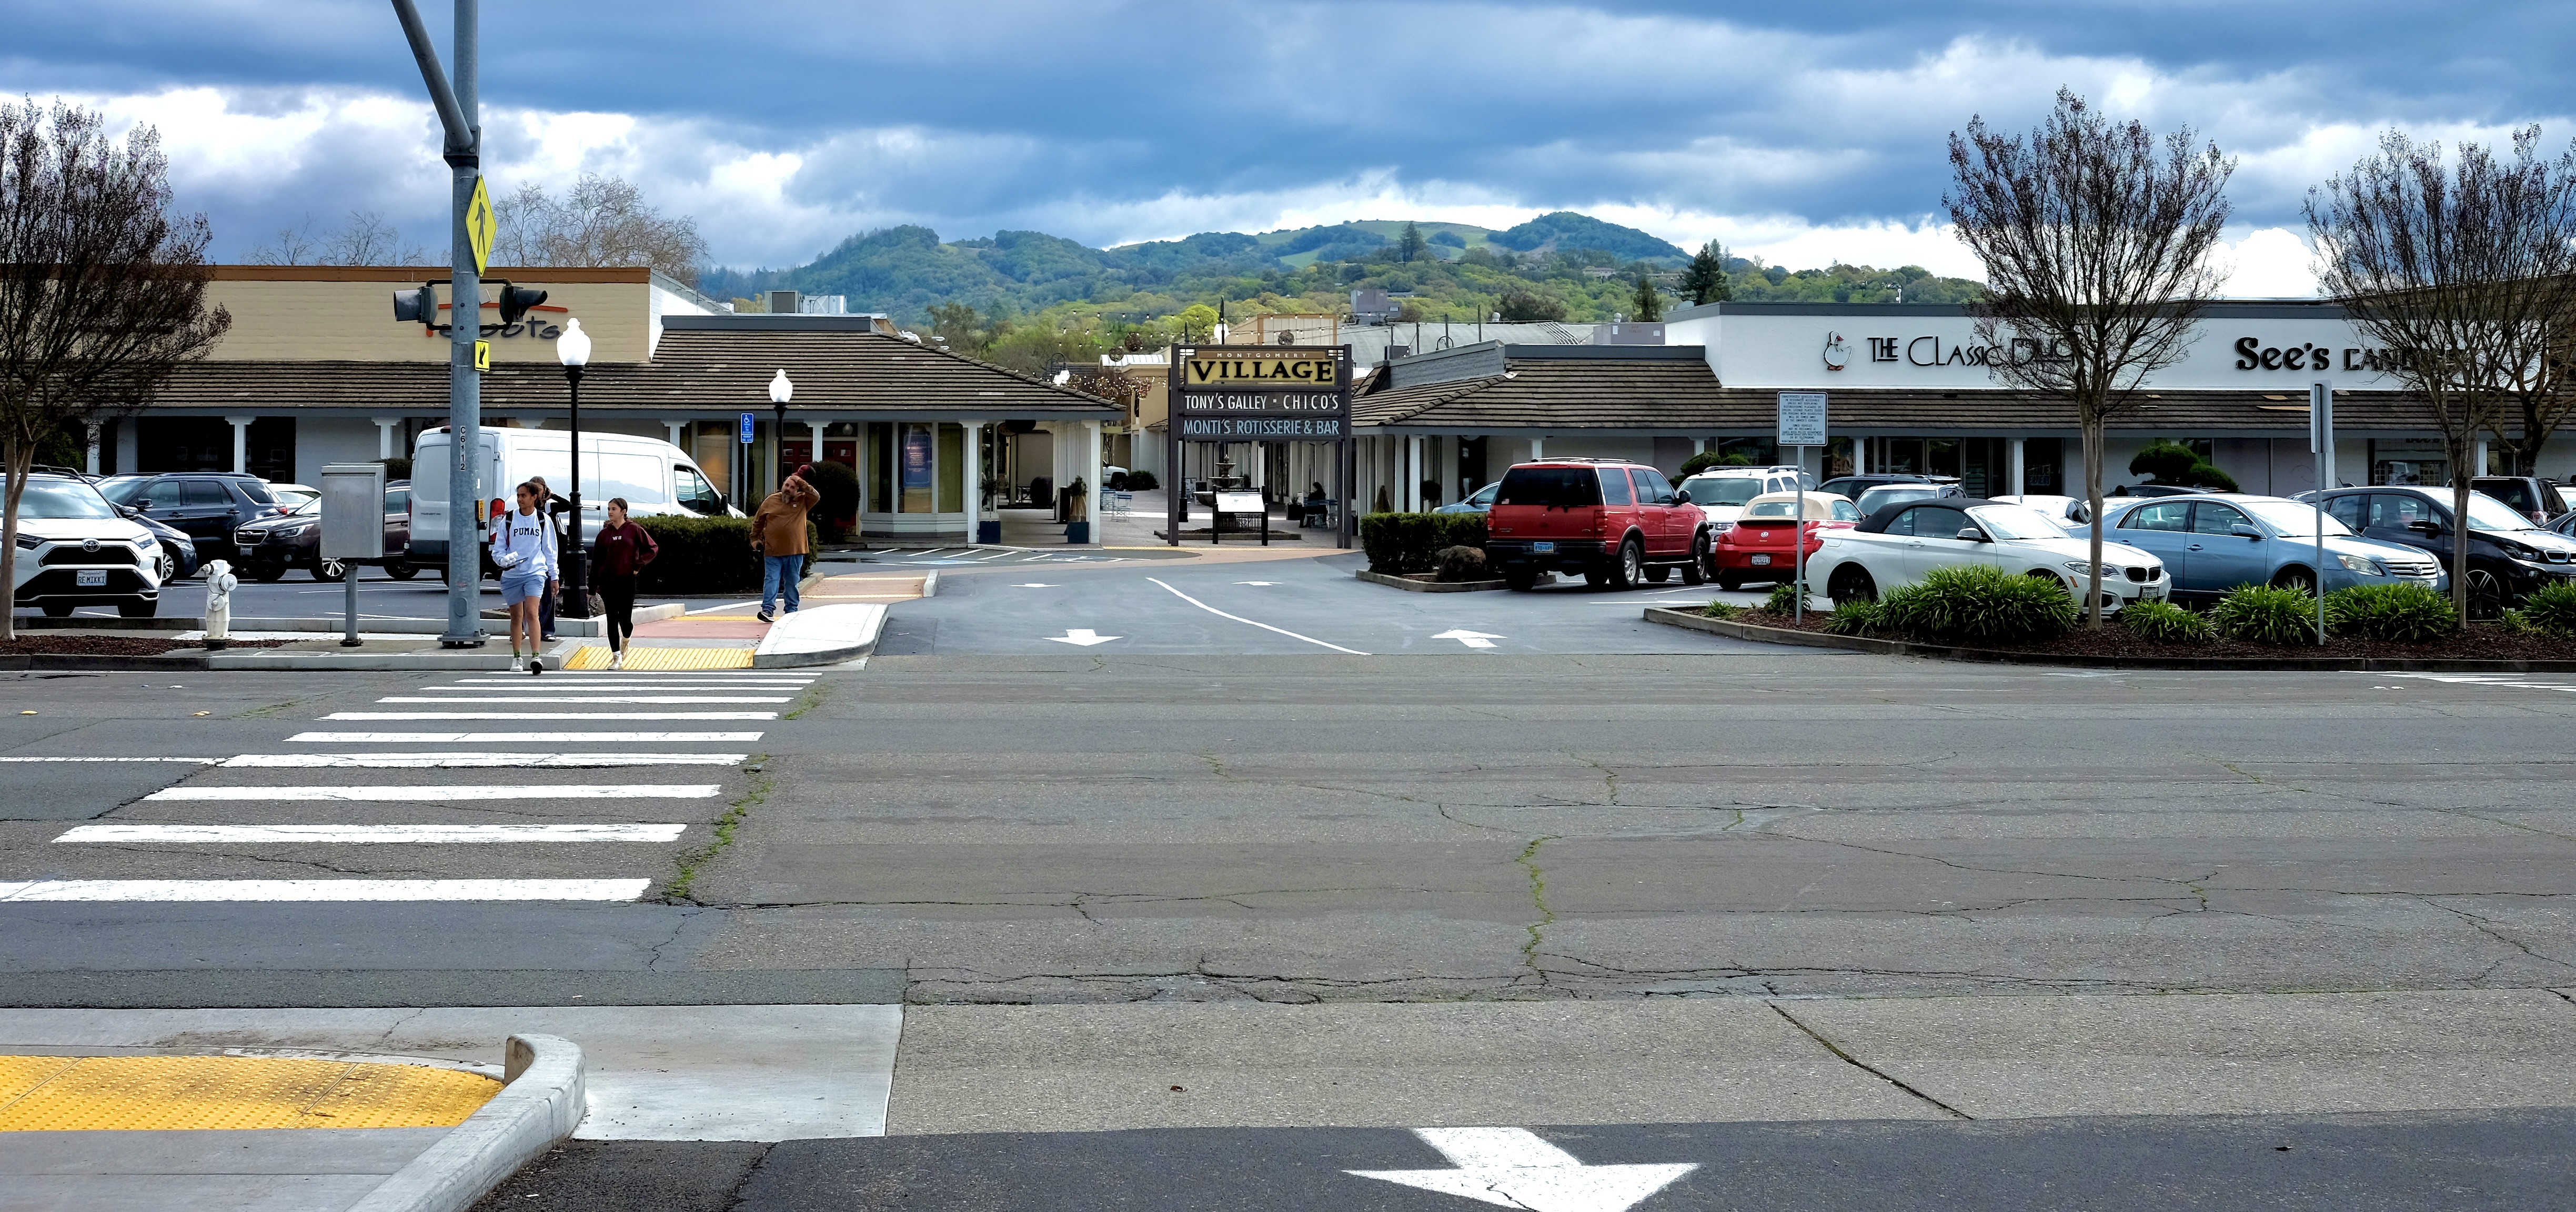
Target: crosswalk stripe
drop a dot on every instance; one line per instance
(517, 738)
(588, 687)
(470, 761)
(542, 716)
(351, 834)
(323, 890)
(187, 760)
(435, 791)
(558, 698)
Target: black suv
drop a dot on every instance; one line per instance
(204, 505)
(2530, 496)
(2509, 556)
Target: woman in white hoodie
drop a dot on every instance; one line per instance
(523, 548)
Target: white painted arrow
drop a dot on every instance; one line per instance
(1472, 639)
(1513, 1168)
(1083, 636)
(1033, 585)
(1256, 582)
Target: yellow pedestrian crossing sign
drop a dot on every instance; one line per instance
(482, 355)
(481, 226)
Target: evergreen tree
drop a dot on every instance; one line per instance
(1650, 302)
(1411, 247)
(1705, 280)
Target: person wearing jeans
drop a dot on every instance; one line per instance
(778, 530)
(616, 556)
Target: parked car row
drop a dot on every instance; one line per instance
(75, 549)
(1619, 524)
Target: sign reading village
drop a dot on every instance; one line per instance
(1264, 393)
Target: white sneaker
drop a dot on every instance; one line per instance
(617, 660)
(518, 664)
(536, 665)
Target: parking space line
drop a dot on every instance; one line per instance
(1254, 622)
(323, 890)
(559, 698)
(370, 834)
(519, 738)
(550, 715)
(435, 791)
(470, 761)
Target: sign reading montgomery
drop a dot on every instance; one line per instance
(1264, 393)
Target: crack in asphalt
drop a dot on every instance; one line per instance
(1864, 1066)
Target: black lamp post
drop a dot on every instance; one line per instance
(780, 392)
(573, 350)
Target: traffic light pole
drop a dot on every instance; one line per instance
(457, 106)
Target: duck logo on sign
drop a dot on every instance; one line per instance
(1837, 354)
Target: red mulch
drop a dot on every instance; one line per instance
(2482, 642)
(111, 645)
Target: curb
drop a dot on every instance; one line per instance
(165, 663)
(850, 632)
(541, 1105)
(1855, 643)
(930, 583)
(1412, 586)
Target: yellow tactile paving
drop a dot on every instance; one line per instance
(172, 1093)
(663, 660)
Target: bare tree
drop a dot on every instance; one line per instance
(368, 240)
(2096, 238)
(295, 245)
(598, 221)
(2467, 274)
(102, 288)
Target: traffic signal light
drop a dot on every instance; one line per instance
(414, 306)
(515, 302)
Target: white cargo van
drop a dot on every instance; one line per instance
(654, 476)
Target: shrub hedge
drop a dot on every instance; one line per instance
(1784, 599)
(2166, 623)
(1978, 604)
(2401, 613)
(2551, 610)
(2261, 614)
(703, 556)
(1462, 563)
(1398, 543)
(1855, 618)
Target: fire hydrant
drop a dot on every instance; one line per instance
(220, 583)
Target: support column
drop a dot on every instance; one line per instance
(1091, 478)
(241, 441)
(93, 448)
(1538, 447)
(974, 475)
(385, 435)
(674, 427)
(2478, 457)
(2013, 456)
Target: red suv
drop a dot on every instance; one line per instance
(1616, 522)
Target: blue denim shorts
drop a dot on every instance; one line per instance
(515, 590)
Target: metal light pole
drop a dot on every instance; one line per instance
(457, 106)
(573, 350)
(780, 392)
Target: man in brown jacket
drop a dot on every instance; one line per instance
(778, 531)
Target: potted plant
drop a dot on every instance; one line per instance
(1077, 512)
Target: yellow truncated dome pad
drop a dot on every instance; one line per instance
(662, 660)
(137, 1093)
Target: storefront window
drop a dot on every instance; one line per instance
(881, 466)
(915, 462)
(952, 468)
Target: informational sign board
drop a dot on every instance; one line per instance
(353, 511)
(747, 420)
(1802, 418)
(1241, 502)
(1260, 393)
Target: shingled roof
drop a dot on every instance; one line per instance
(1662, 395)
(695, 369)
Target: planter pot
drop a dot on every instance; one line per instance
(988, 532)
(1074, 532)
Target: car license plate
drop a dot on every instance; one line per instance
(1542, 549)
(1761, 561)
(92, 578)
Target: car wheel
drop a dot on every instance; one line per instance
(56, 610)
(266, 572)
(402, 572)
(1851, 583)
(1519, 578)
(332, 571)
(2296, 578)
(1631, 568)
(2486, 594)
(138, 610)
(1696, 572)
(1729, 582)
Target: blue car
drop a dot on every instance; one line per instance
(2213, 542)
(1479, 501)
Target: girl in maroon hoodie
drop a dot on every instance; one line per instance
(622, 549)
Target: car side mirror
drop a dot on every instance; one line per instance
(1970, 534)
(2243, 531)
(1682, 497)
(2424, 526)
(145, 503)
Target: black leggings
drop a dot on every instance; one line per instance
(618, 594)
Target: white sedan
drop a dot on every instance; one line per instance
(1898, 547)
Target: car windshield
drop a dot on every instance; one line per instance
(2488, 513)
(2016, 522)
(1723, 490)
(1772, 509)
(294, 496)
(1559, 487)
(2290, 519)
(61, 499)
(1889, 494)
(124, 489)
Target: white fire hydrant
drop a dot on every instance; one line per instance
(220, 583)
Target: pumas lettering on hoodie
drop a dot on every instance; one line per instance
(530, 536)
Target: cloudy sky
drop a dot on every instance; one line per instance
(1803, 133)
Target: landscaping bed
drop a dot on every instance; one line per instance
(2482, 642)
(119, 645)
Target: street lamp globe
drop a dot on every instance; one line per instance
(780, 390)
(573, 347)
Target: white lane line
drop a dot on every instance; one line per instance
(560, 698)
(605, 687)
(322, 890)
(355, 834)
(519, 738)
(195, 761)
(1264, 626)
(543, 716)
(444, 792)
(471, 761)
